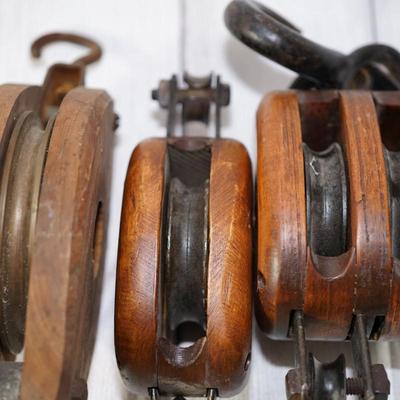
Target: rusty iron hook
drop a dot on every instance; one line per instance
(94, 49)
(62, 77)
(274, 37)
(373, 67)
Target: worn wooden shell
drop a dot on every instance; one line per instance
(66, 267)
(221, 359)
(281, 220)
(14, 100)
(329, 290)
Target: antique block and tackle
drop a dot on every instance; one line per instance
(183, 296)
(327, 203)
(55, 160)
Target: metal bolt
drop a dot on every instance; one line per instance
(212, 394)
(116, 122)
(247, 362)
(154, 94)
(355, 386)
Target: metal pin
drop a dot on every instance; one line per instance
(153, 393)
(212, 394)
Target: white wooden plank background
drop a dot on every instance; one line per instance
(145, 40)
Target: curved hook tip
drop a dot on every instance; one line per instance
(35, 52)
(93, 55)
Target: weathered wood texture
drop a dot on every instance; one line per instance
(137, 274)
(281, 213)
(219, 359)
(144, 41)
(363, 279)
(66, 268)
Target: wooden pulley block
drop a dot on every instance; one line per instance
(183, 294)
(327, 177)
(55, 155)
(327, 219)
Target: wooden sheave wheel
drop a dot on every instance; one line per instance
(53, 214)
(328, 213)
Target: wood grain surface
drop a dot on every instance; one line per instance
(281, 213)
(330, 290)
(66, 268)
(135, 57)
(136, 304)
(220, 359)
(369, 212)
(229, 304)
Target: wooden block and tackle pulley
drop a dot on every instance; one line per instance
(183, 295)
(327, 203)
(327, 230)
(55, 160)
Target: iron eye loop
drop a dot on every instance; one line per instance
(274, 16)
(274, 37)
(93, 55)
(371, 67)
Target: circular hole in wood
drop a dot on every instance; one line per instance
(187, 333)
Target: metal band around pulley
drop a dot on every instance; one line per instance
(21, 175)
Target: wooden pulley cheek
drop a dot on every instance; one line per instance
(55, 154)
(281, 213)
(369, 202)
(184, 260)
(70, 234)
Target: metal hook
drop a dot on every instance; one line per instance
(278, 18)
(274, 37)
(61, 77)
(372, 67)
(93, 55)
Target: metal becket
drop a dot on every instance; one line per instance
(313, 380)
(195, 99)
